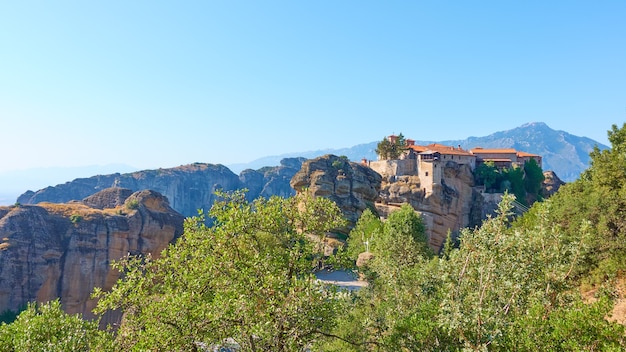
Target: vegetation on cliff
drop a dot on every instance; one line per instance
(512, 284)
(523, 182)
(504, 288)
(599, 198)
(391, 148)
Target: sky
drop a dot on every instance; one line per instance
(154, 84)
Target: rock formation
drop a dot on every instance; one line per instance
(551, 183)
(64, 250)
(449, 205)
(353, 187)
(188, 187)
(271, 181)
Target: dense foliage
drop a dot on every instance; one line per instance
(523, 182)
(249, 278)
(389, 150)
(598, 197)
(247, 281)
(45, 327)
(505, 288)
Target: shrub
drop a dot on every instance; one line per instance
(132, 204)
(75, 218)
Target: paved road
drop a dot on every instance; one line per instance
(343, 279)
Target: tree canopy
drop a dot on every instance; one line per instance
(516, 180)
(46, 327)
(504, 288)
(249, 278)
(387, 149)
(599, 198)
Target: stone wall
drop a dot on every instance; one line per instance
(388, 168)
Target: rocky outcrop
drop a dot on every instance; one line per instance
(450, 204)
(272, 181)
(188, 187)
(353, 187)
(551, 183)
(65, 250)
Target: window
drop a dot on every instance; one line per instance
(426, 173)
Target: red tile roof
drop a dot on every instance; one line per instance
(524, 154)
(493, 151)
(449, 150)
(443, 149)
(498, 160)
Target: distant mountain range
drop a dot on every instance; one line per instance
(565, 154)
(14, 183)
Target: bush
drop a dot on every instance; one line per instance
(75, 218)
(132, 204)
(45, 327)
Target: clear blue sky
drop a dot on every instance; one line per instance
(163, 83)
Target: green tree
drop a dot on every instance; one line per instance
(249, 277)
(387, 150)
(383, 149)
(579, 326)
(487, 174)
(45, 327)
(404, 237)
(533, 177)
(514, 180)
(501, 274)
(599, 196)
(365, 235)
(396, 310)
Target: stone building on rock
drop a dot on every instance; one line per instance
(438, 181)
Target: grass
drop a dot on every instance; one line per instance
(80, 212)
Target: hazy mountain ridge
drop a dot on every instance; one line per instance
(14, 183)
(187, 187)
(565, 154)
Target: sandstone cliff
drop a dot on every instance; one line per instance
(188, 187)
(450, 204)
(64, 250)
(551, 183)
(353, 187)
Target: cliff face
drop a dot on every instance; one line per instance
(353, 187)
(188, 187)
(271, 181)
(449, 205)
(65, 250)
(551, 183)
